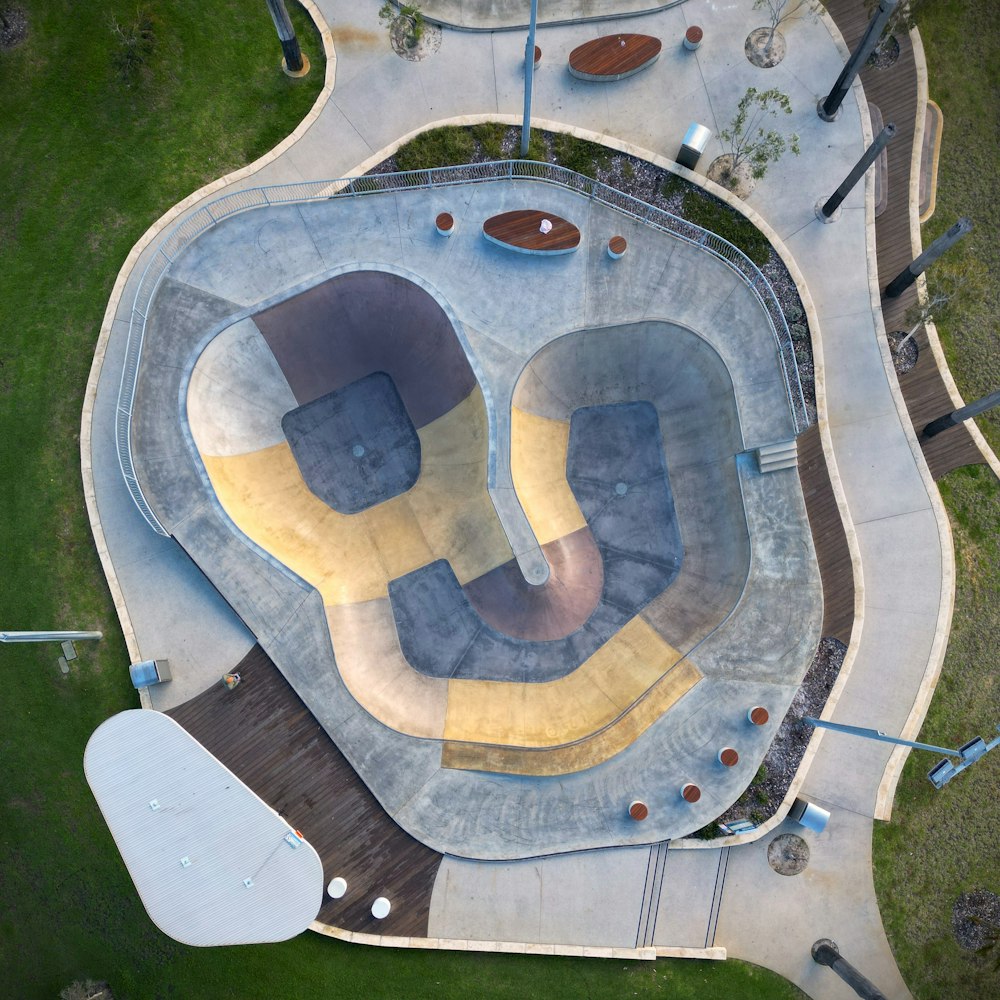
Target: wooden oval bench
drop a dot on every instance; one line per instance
(520, 230)
(613, 57)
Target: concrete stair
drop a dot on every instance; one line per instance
(781, 455)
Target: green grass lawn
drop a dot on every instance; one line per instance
(962, 43)
(941, 844)
(89, 160)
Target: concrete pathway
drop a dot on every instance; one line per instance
(901, 536)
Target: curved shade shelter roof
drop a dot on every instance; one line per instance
(213, 863)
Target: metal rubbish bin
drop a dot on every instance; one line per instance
(149, 672)
(809, 815)
(695, 140)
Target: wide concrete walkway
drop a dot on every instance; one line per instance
(378, 98)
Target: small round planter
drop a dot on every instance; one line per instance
(638, 811)
(445, 224)
(617, 246)
(693, 37)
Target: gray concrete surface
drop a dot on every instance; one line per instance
(379, 97)
(467, 813)
(355, 447)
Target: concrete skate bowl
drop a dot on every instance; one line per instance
(344, 432)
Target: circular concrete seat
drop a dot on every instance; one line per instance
(337, 887)
(381, 908)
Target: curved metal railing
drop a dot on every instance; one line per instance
(350, 187)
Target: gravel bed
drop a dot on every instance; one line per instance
(904, 360)
(975, 919)
(767, 791)
(13, 26)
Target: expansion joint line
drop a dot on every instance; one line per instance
(652, 890)
(720, 885)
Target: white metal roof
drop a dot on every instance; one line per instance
(190, 833)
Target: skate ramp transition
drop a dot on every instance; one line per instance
(343, 430)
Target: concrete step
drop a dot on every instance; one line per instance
(788, 463)
(780, 455)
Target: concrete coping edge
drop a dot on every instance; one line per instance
(646, 954)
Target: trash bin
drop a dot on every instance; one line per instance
(695, 140)
(809, 815)
(149, 672)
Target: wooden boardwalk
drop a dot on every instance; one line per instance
(834, 557)
(894, 91)
(268, 738)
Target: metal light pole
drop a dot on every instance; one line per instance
(826, 211)
(825, 952)
(908, 275)
(286, 35)
(529, 77)
(48, 636)
(957, 416)
(829, 107)
(942, 772)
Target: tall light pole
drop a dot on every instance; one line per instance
(47, 636)
(825, 952)
(286, 35)
(829, 107)
(956, 417)
(945, 241)
(529, 77)
(943, 771)
(826, 210)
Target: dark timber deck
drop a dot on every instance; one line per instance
(894, 90)
(267, 737)
(834, 557)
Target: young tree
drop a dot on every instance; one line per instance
(779, 11)
(410, 16)
(902, 20)
(966, 278)
(748, 140)
(86, 989)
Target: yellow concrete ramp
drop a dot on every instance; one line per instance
(583, 753)
(538, 448)
(573, 707)
(349, 558)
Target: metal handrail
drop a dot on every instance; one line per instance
(209, 215)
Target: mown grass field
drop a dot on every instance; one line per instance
(942, 844)
(962, 43)
(88, 161)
